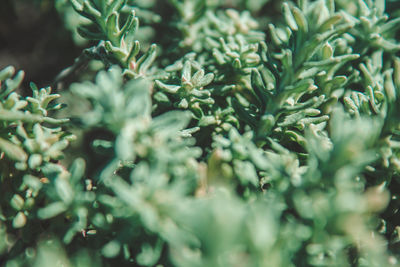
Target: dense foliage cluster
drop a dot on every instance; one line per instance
(208, 133)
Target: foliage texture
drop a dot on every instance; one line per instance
(215, 133)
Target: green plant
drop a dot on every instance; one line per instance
(213, 135)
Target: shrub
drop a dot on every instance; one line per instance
(218, 133)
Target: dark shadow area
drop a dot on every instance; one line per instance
(33, 39)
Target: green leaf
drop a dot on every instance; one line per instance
(150, 255)
(64, 190)
(17, 202)
(13, 151)
(7, 73)
(289, 17)
(88, 33)
(170, 122)
(51, 210)
(147, 59)
(19, 220)
(111, 249)
(11, 84)
(246, 172)
(77, 170)
(330, 23)
(167, 88)
(300, 19)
